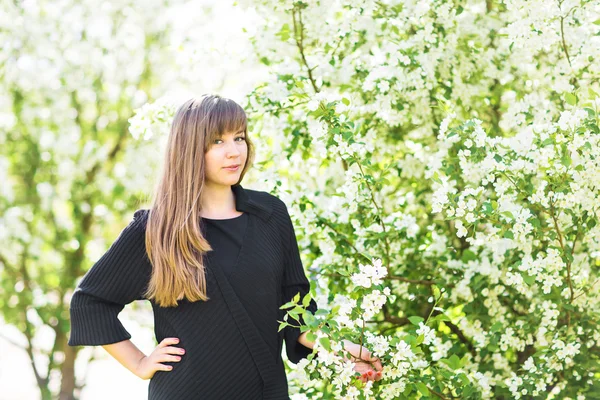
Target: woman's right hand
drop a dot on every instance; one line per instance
(148, 365)
(368, 366)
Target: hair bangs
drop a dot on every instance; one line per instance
(225, 117)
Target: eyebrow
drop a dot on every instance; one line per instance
(227, 134)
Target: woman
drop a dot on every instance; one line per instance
(215, 260)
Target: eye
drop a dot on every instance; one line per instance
(239, 137)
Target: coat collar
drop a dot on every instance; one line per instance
(252, 201)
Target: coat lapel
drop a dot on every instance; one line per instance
(248, 201)
(260, 352)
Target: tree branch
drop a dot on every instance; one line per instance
(299, 26)
(459, 333)
(344, 238)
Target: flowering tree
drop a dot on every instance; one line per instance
(72, 73)
(440, 160)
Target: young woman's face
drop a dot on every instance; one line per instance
(228, 150)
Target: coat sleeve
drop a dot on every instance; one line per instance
(294, 281)
(118, 278)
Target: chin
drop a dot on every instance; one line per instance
(231, 181)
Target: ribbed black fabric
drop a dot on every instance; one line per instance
(226, 237)
(233, 350)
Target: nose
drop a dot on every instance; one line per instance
(232, 149)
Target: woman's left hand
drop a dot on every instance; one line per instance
(367, 365)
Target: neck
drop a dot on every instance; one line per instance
(217, 201)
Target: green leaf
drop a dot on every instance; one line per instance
(345, 101)
(570, 99)
(467, 391)
(528, 279)
(547, 141)
(436, 292)
(415, 320)
(321, 312)
(496, 327)
(454, 361)
(284, 32)
(540, 352)
(309, 319)
(420, 339)
(298, 309)
(325, 343)
(306, 299)
(446, 374)
(422, 388)
(468, 255)
(289, 304)
(464, 379)
(487, 208)
(441, 317)
(591, 112)
(463, 361)
(311, 337)
(410, 339)
(293, 314)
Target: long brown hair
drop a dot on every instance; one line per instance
(174, 241)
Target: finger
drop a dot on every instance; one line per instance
(167, 341)
(163, 367)
(365, 377)
(377, 364)
(362, 368)
(169, 358)
(173, 350)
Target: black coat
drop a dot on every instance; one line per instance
(233, 349)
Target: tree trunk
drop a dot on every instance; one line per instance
(67, 383)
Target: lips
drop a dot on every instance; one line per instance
(232, 167)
